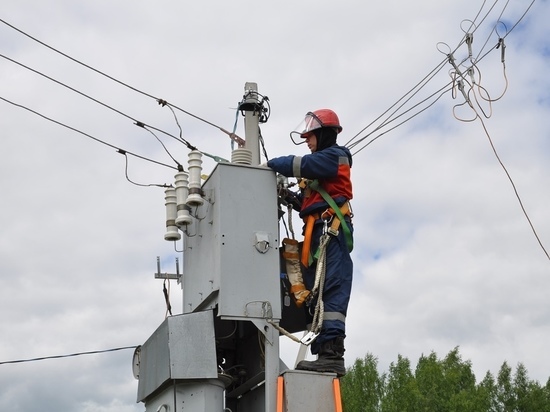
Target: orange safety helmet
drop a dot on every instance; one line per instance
(316, 120)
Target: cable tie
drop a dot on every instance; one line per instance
(140, 124)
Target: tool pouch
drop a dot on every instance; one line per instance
(294, 272)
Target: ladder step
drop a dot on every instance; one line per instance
(299, 391)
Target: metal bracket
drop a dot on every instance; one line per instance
(176, 276)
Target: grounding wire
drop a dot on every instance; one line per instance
(492, 30)
(421, 83)
(477, 116)
(499, 44)
(509, 31)
(119, 150)
(513, 186)
(67, 356)
(430, 76)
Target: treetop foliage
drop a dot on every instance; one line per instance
(440, 385)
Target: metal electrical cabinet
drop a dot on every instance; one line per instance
(162, 357)
(231, 256)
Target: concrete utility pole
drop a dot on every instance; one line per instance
(222, 352)
(252, 121)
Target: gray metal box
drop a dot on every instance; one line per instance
(231, 256)
(182, 347)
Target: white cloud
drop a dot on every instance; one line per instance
(444, 256)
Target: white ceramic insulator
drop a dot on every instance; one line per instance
(182, 191)
(172, 233)
(241, 156)
(195, 168)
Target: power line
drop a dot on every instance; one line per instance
(75, 60)
(119, 150)
(159, 100)
(351, 144)
(137, 122)
(68, 355)
(355, 141)
(442, 90)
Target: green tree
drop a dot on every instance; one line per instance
(429, 379)
(362, 386)
(486, 394)
(460, 383)
(505, 398)
(440, 385)
(529, 395)
(401, 392)
(447, 385)
(521, 389)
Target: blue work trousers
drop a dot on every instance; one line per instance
(337, 288)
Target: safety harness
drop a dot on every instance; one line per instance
(336, 217)
(334, 213)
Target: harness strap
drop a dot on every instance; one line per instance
(310, 220)
(308, 257)
(314, 185)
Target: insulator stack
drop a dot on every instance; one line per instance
(172, 233)
(195, 168)
(182, 192)
(241, 156)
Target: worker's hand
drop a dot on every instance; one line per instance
(292, 198)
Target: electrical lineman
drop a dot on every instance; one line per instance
(323, 203)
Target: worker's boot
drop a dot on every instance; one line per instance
(329, 359)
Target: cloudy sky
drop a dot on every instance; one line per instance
(444, 254)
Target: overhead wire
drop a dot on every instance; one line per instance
(355, 141)
(136, 121)
(118, 149)
(94, 352)
(469, 102)
(350, 143)
(459, 80)
(135, 89)
(442, 91)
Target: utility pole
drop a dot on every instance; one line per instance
(222, 352)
